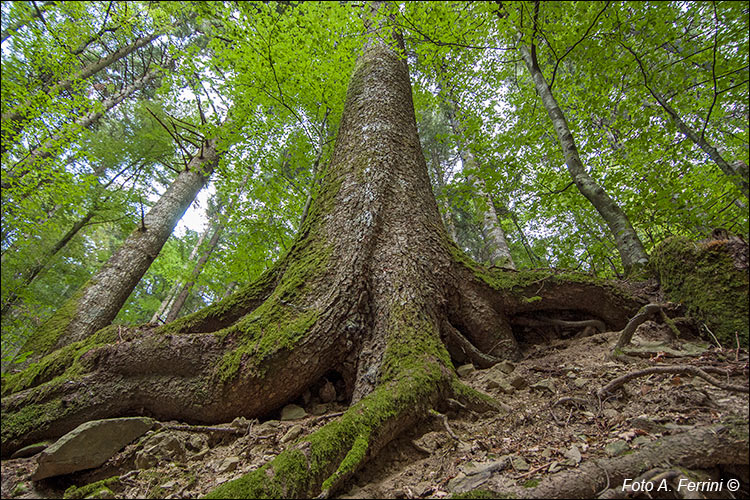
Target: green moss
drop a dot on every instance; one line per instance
(59, 366)
(29, 418)
(414, 370)
(44, 338)
(89, 489)
(703, 277)
(19, 489)
(532, 483)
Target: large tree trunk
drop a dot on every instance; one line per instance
(632, 252)
(97, 303)
(371, 289)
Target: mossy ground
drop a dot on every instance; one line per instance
(703, 277)
(84, 491)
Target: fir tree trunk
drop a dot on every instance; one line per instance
(98, 301)
(372, 289)
(632, 252)
(493, 233)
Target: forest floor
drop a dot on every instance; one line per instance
(555, 422)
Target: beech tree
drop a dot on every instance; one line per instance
(372, 288)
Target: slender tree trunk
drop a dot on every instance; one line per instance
(450, 226)
(494, 236)
(179, 301)
(54, 143)
(737, 171)
(15, 120)
(28, 274)
(632, 252)
(166, 304)
(97, 303)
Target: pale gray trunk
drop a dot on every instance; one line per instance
(631, 249)
(450, 226)
(106, 292)
(166, 304)
(54, 143)
(17, 118)
(497, 245)
(176, 307)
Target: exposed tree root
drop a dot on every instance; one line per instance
(643, 314)
(702, 448)
(675, 369)
(462, 350)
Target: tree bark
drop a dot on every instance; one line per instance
(370, 289)
(15, 120)
(97, 303)
(629, 245)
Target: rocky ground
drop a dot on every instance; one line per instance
(554, 422)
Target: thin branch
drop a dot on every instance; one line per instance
(713, 75)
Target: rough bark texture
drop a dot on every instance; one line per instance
(370, 290)
(629, 246)
(97, 303)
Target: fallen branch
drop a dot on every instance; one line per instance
(204, 428)
(674, 369)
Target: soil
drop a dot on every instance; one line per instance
(549, 427)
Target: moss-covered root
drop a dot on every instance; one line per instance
(323, 460)
(707, 279)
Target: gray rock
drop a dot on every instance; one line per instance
(228, 465)
(518, 382)
(159, 447)
(506, 366)
(292, 412)
(89, 445)
(292, 434)
(545, 384)
(327, 393)
(616, 448)
(319, 409)
(580, 382)
(240, 423)
(610, 413)
(465, 370)
(640, 441)
(520, 464)
(496, 381)
(573, 455)
(30, 450)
